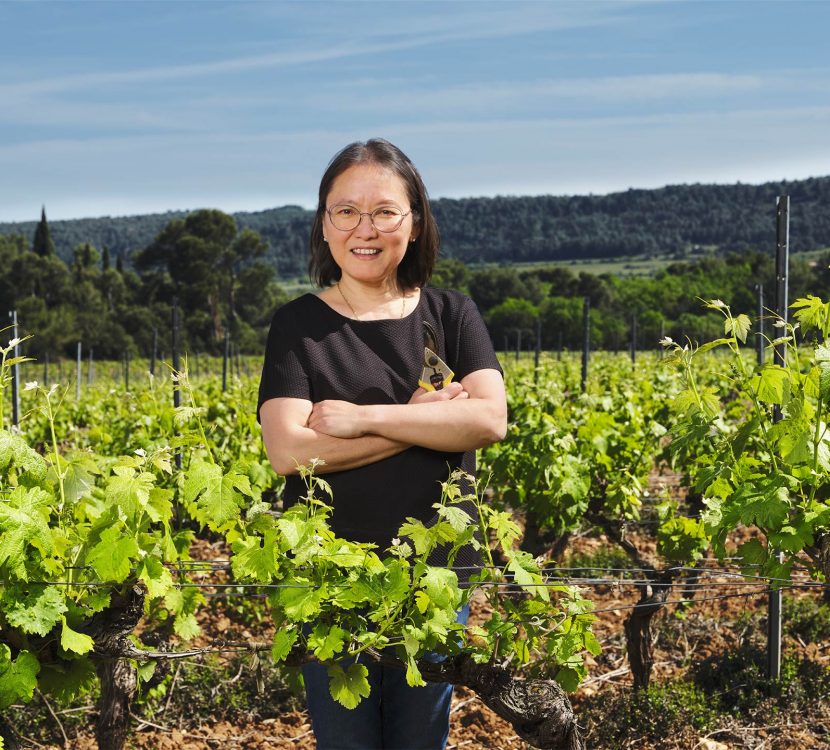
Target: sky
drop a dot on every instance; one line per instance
(121, 108)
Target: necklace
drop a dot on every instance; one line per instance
(354, 312)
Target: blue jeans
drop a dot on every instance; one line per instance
(395, 716)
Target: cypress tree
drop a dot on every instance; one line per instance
(42, 243)
(105, 259)
(119, 263)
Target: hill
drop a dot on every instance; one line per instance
(671, 220)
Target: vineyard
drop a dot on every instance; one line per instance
(156, 595)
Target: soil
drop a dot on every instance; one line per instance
(728, 617)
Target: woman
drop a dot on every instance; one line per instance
(340, 383)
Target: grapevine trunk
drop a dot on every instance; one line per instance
(110, 630)
(638, 635)
(539, 710)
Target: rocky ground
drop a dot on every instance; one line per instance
(709, 689)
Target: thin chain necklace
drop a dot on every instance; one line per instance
(354, 312)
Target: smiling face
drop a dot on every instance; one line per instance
(364, 254)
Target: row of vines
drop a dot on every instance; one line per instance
(103, 499)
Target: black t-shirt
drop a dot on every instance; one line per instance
(314, 353)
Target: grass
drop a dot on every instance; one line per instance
(806, 618)
(625, 266)
(594, 564)
(720, 691)
(204, 689)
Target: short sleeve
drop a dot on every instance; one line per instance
(474, 349)
(283, 372)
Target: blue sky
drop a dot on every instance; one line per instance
(116, 108)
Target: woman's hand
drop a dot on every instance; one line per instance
(448, 393)
(344, 420)
(463, 416)
(336, 418)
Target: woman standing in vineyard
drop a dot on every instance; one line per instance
(340, 383)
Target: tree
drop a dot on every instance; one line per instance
(42, 243)
(562, 322)
(203, 256)
(11, 250)
(512, 315)
(450, 274)
(85, 261)
(492, 286)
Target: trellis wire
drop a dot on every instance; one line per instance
(242, 647)
(547, 582)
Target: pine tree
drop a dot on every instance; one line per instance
(42, 243)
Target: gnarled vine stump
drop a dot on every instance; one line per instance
(638, 637)
(109, 629)
(539, 710)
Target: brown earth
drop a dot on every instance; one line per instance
(728, 615)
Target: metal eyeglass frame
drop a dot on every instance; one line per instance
(361, 214)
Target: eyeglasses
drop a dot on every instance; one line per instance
(385, 219)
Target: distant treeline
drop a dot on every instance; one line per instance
(215, 271)
(673, 220)
(668, 304)
(224, 283)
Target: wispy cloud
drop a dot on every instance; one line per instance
(732, 124)
(605, 90)
(126, 107)
(428, 30)
(78, 115)
(218, 112)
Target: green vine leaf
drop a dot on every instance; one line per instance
(18, 677)
(114, 554)
(155, 576)
(14, 451)
(326, 640)
(284, 640)
(738, 327)
(71, 640)
(255, 557)
(217, 497)
(349, 686)
(38, 611)
(24, 520)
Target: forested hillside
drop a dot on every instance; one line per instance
(671, 220)
(224, 284)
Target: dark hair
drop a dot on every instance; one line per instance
(416, 267)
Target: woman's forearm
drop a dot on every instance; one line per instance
(339, 454)
(463, 416)
(291, 442)
(451, 426)
(452, 420)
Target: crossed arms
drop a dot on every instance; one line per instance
(461, 417)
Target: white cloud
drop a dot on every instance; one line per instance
(457, 157)
(541, 94)
(431, 29)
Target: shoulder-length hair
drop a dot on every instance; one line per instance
(416, 267)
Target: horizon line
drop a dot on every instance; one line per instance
(4, 222)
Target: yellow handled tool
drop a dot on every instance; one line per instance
(436, 373)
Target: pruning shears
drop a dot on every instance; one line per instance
(436, 373)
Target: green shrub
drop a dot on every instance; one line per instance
(806, 617)
(603, 562)
(613, 720)
(737, 682)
